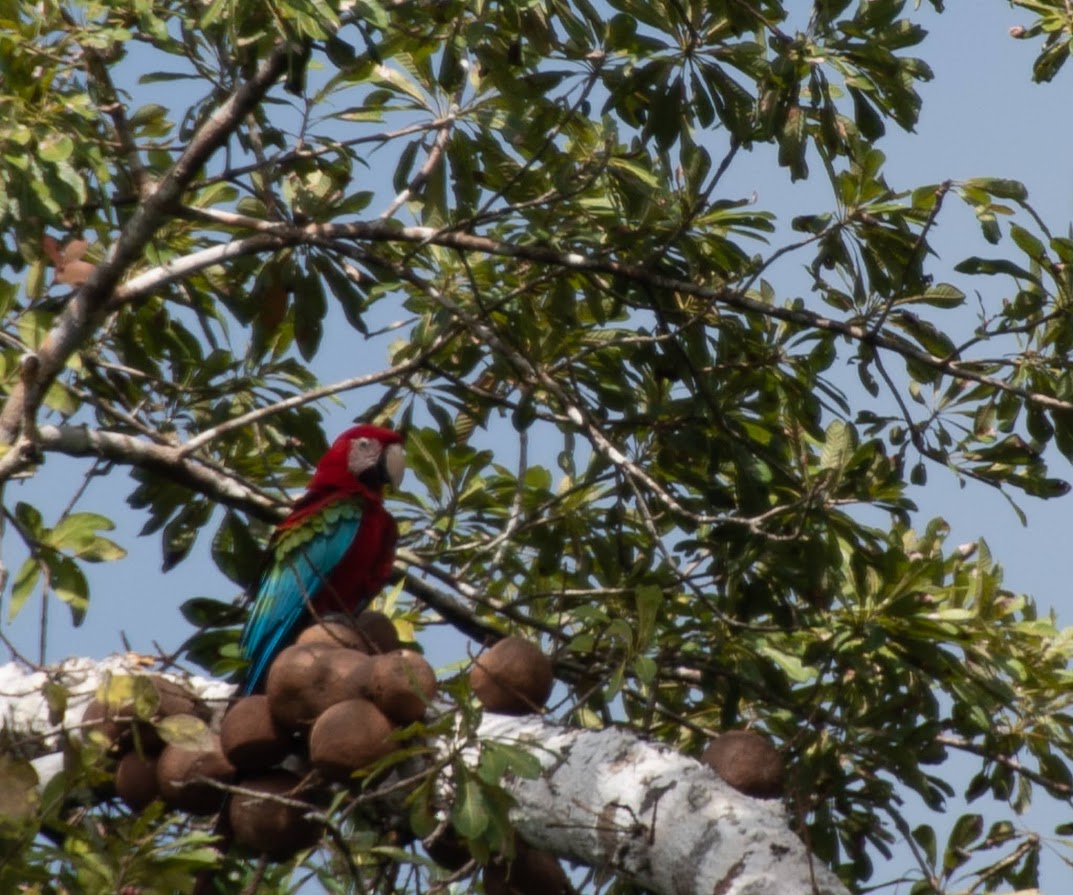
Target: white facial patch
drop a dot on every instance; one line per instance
(362, 456)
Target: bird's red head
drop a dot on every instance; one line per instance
(369, 454)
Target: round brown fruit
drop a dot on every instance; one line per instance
(341, 674)
(402, 684)
(377, 632)
(251, 738)
(349, 736)
(311, 679)
(512, 678)
(448, 850)
(106, 721)
(180, 772)
(175, 699)
(531, 872)
(333, 633)
(292, 678)
(269, 827)
(747, 761)
(135, 780)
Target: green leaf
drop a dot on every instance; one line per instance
(235, 551)
(22, 586)
(56, 697)
(58, 148)
(999, 187)
(993, 266)
(838, 444)
(645, 668)
(469, 816)
(792, 144)
(29, 519)
(205, 612)
(345, 290)
(69, 584)
(150, 113)
(498, 759)
(181, 532)
(636, 171)
(310, 308)
(19, 799)
(1028, 243)
(397, 81)
(792, 665)
(966, 830)
(649, 599)
(924, 836)
(941, 295)
(77, 534)
(930, 337)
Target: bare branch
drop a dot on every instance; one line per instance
(435, 154)
(78, 441)
(149, 282)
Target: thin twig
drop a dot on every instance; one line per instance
(918, 248)
(324, 391)
(434, 157)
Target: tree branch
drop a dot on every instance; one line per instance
(79, 441)
(605, 798)
(610, 800)
(390, 231)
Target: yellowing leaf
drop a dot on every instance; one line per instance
(187, 731)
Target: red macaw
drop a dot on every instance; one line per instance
(334, 551)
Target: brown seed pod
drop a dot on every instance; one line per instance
(377, 632)
(448, 850)
(402, 684)
(349, 736)
(747, 761)
(175, 699)
(179, 771)
(340, 674)
(251, 738)
(292, 677)
(334, 632)
(269, 827)
(109, 723)
(124, 729)
(305, 680)
(512, 678)
(531, 872)
(135, 780)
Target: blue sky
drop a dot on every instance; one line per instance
(982, 116)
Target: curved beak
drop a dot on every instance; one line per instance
(395, 464)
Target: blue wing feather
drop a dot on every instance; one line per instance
(301, 564)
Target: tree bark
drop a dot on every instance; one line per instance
(609, 799)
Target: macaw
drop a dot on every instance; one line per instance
(334, 551)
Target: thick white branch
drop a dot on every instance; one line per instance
(606, 799)
(24, 707)
(611, 800)
(25, 711)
